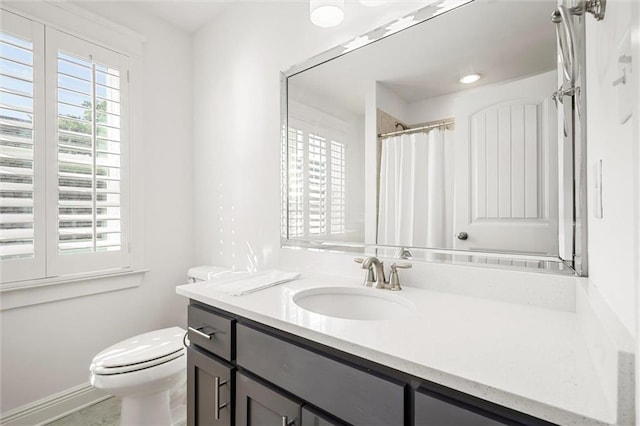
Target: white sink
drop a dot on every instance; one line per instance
(354, 303)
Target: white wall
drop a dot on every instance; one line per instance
(47, 348)
(388, 101)
(613, 251)
(237, 62)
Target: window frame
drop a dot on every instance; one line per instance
(40, 288)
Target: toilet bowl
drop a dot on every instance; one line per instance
(149, 372)
(144, 371)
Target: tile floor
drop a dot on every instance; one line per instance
(105, 413)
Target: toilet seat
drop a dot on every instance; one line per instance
(140, 352)
(102, 370)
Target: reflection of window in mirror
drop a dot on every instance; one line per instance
(317, 174)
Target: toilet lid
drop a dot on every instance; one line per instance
(142, 351)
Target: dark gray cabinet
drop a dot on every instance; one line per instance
(210, 385)
(432, 410)
(259, 405)
(311, 417)
(244, 373)
(351, 394)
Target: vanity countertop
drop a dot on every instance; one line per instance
(531, 359)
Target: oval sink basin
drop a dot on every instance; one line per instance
(354, 303)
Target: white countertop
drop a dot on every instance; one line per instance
(531, 359)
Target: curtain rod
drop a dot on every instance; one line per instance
(417, 129)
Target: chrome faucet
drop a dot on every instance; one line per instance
(373, 263)
(375, 273)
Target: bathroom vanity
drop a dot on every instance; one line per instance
(243, 372)
(452, 360)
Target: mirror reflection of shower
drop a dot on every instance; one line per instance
(415, 195)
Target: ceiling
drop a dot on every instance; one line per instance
(501, 40)
(191, 15)
(186, 15)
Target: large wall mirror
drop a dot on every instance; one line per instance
(386, 151)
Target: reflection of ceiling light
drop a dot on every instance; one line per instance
(356, 43)
(373, 3)
(400, 25)
(471, 78)
(326, 13)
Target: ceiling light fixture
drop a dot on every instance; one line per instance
(470, 78)
(326, 13)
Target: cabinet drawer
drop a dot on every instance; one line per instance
(355, 396)
(212, 332)
(432, 411)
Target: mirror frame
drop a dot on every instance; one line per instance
(575, 228)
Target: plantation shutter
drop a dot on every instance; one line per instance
(22, 185)
(316, 179)
(296, 182)
(317, 185)
(338, 187)
(88, 92)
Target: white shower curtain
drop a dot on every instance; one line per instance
(416, 190)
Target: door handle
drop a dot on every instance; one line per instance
(202, 333)
(462, 235)
(216, 397)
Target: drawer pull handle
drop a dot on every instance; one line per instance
(216, 397)
(202, 334)
(286, 422)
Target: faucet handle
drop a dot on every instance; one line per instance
(358, 260)
(394, 280)
(401, 265)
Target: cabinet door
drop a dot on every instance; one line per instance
(311, 417)
(258, 405)
(209, 390)
(432, 411)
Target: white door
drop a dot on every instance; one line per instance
(506, 168)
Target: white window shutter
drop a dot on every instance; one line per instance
(87, 102)
(316, 179)
(22, 137)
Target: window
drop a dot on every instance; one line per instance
(316, 181)
(63, 159)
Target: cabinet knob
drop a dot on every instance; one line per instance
(462, 235)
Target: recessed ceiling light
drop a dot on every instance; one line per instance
(470, 78)
(326, 13)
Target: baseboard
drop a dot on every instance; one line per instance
(53, 407)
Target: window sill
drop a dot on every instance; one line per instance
(34, 292)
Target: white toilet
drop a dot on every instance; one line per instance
(148, 372)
